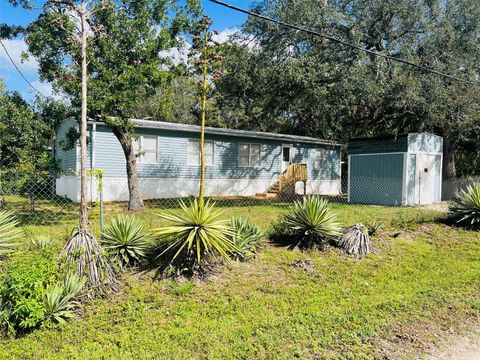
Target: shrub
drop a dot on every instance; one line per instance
(466, 206)
(246, 237)
(125, 240)
(61, 299)
(355, 240)
(374, 228)
(194, 235)
(23, 285)
(311, 223)
(41, 242)
(9, 233)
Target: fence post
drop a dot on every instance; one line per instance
(101, 209)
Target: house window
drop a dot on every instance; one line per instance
(249, 155)
(146, 149)
(318, 159)
(193, 153)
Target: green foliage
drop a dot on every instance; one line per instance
(466, 206)
(246, 237)
(9, 232)
(297, 83)
(41, 242)
(23, 286)
(310, 223)
(341, 309)
(125, 240)
(61, 299)
(374, 227)
(194, 234)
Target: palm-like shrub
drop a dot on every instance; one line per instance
(9, 233)
(61, 299)
(311, 223)
(41, 242)
(466, 206)
(246, 237)
(125, 239)
(194, 234)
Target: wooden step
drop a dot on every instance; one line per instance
(267, 195)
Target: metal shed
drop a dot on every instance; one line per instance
(402, 170)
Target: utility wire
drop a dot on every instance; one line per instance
(337, 40)
(19, 71)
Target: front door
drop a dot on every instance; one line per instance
(286, 156)
(425, 178)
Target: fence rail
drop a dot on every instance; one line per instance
(35, 202)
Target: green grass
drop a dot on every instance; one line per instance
(423, 273)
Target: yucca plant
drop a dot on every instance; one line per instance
(9, 233)
(41, 242)
(466, 206)
(311, 223)
(355, 240)
(194, 234)
(61, 299)
(125, 239)
(246, 237)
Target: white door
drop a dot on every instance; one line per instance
(425, 179)
(286, 156)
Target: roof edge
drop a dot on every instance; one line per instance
(223, 131)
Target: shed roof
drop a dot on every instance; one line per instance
(408, 143)
(150, 124)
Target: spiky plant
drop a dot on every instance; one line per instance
(466, 206)
(41, 242)
(312, 223)
(125, 239)
(246, 237)
(355, 240)
(61, 299)
(9, 233)
(194, 234)
(86, 257)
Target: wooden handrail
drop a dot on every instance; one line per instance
(292, 174)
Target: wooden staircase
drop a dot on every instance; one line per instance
(286, 181)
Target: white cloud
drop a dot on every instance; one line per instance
(177, 55)
(46, 89)
(225, 35)
(15, 48)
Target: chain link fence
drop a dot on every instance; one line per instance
(34, 200)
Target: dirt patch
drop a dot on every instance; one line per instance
(458, 347)
(440, 206)
(305, 265)
(442, 338)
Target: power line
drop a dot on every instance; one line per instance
(19, 71)
(337, 40)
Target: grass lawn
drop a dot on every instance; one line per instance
(423, 278)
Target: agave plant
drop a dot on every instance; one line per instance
(246, 237)
(61, 299)
(194, 234)
(125, 239)
(41, 242)
(311, 223)
(9, 233)
(355, 240)
(466, 206)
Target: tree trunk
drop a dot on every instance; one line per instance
(83, 218)
(202, 131)
(448, 165)
(135, 200)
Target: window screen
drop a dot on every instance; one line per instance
(146, 149)
(193, 153)
(318, 159)
(249, 155)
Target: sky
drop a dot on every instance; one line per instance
(224, 20)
